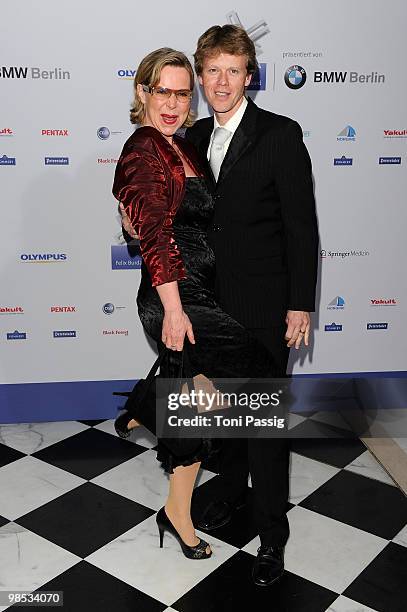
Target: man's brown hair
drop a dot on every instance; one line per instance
(231, 39)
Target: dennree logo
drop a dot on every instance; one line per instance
(377, 325)
(56, 161)
(383, 161)
(64, 334)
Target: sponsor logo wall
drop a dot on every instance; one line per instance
(75, 308)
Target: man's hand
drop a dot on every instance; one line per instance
(298, 328)
(126, 222)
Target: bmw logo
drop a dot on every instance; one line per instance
(295, 77)
(108, 309)
(103, 133)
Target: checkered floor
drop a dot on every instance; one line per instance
(77, 514)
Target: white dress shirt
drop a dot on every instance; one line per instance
(230, 125)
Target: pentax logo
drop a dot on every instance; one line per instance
(54, 133)
(7, 310)
(63, 309)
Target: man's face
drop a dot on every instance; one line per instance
(224, 78)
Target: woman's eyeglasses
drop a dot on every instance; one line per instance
(164, 93)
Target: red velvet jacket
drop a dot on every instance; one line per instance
(150, 182)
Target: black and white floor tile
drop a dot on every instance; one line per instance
(77, 514)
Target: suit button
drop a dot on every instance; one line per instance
(216, 228)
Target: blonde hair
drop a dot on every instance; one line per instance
(149, 72)
(231, 39)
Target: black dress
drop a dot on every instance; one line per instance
(224, 348)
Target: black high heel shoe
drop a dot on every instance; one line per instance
(191, 552)
(121, 423)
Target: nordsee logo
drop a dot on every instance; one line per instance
(126, 257)
(333, 327)
(337, 303)
(56, 161)
(16, 335)
(343, 161)
(43, 257)
(64, 334)
(259, 79)
(7, 161)
(389, 160)
(347, 134)
(126, 73)
(295, 77)
(377, 325)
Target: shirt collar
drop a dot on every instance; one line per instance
(233, 123)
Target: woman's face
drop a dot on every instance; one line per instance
(167, 115)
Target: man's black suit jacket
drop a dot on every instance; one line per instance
(264, 232)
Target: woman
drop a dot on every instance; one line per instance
(163, 190)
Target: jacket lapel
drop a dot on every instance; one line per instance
(242, 140)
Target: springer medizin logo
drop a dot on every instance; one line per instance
(43, 257)
(7, 161)
(383, 302)
(343, 161)
(126, 257)
(347, 134)
(385, 161)
(337, 303)
(16, 335)
(295, 77)
(327, 254)
(377, 326)
(63, 333)
(56, 161)
(333, 327)
(7, 310)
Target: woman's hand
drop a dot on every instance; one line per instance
(126, 222)
(175, 325)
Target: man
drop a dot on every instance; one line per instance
(264, 235)
(265, 240)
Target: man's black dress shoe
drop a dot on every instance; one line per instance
(218, 514)
(268, 566)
